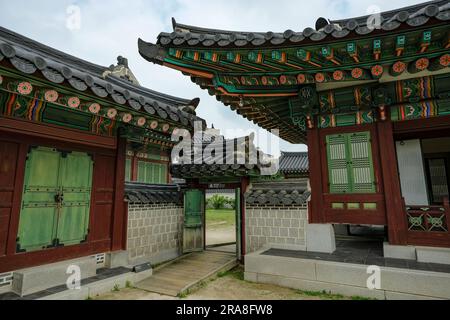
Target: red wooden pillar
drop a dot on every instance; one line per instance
(316, 212)
(245, 182)
(119, 215)
(395, 213)
(17, 199)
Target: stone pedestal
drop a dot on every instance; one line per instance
(320, 238)
(399, 252)
(116, 259)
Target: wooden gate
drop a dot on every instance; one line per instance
(194, 208)
(56, 199)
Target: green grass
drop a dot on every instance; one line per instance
(236, 273)
(328, 296)
(224, 217)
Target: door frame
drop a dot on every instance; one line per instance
(24, 134)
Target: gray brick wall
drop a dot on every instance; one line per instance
(154, 232)
(281, 227)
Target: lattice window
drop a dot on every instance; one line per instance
(154, 173)
(128, 164)
(427, 219)
(350, 164)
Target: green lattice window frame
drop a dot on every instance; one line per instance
(152, 173)
(128, 169)
(350, 163)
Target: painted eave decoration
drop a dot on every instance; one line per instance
(47, 76)
(261, 75)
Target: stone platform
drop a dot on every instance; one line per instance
(346, 272)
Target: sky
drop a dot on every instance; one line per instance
(109, 28)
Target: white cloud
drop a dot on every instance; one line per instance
(111, 28)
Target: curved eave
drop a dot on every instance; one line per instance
(434, 12)
(33, 59)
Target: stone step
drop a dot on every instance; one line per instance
(32, 280)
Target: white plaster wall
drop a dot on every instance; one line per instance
(412, 173)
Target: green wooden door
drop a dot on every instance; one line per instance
(76, 184)
(56, 199)
(194, 206)
(39, 211)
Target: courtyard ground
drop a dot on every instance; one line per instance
(220, 226)
(228, 286)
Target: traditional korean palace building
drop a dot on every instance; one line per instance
(88, 177)
(371, 102)
(71, 134)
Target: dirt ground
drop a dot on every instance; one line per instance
(220, 234)
(228, 287)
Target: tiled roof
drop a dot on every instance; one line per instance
(153, 194)
(414, 16)
(294, 163)
(279, 193)
(29, 56)
(214, 166)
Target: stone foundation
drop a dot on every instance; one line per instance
(155, 232)
(281, 227)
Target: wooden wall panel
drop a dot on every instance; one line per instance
(102, 198)
(8, 162)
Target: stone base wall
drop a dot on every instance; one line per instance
(281, 227)
(155, 233)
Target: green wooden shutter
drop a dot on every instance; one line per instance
(361, 163)
(163, 178)
(350, 163)
(76, 184)
(128, 170)
(337, 164)
(155, 173)
(38, 216)
(142, 171)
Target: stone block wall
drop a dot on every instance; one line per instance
(155, 232)
(281, 227)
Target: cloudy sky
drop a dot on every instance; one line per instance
(111, 27)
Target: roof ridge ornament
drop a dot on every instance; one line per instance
(121, 71)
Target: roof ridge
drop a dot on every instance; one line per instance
(203, 30)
